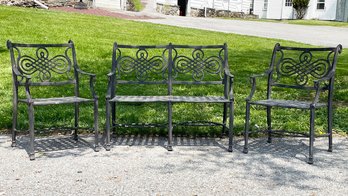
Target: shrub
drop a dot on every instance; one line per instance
(300, 7)
(134, 5)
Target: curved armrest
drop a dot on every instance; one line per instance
(111, 83)
(318, 88)
(17, 73)
(230, 81)
(253, 84)
(92, 79)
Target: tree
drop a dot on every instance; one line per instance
(300, 7)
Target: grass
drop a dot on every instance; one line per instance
(94, 37)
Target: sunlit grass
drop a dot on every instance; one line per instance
(94, 37)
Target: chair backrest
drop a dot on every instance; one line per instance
(46, 64)
(140, 64)
(297, 68)
(199, 64)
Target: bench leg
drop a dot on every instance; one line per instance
(269, 124)
(170, 127)
(113, 117)
(31, 131)
(329, 126)
(14, 123)
(311, 136)
(224, 118)
(230, 130)
(108, 110)
(246, 129)
(96, 130)
(77, 113)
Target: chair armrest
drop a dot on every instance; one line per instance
(17, 73)
(318, 88)
(92, 79)
(253, 84)
(230, 80)
(111, 83)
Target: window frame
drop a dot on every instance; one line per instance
(320, 4)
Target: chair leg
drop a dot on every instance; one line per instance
(329, 126)
(224, 118)
(269, 124)
(113, 117)
(246, 129)
(76, 121)
(311, 136)
(230, 130)
(31, 131)
(96, 130)
(170, 127)
(107, 143)
(14, 123)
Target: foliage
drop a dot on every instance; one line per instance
(135, 5)
(94, 37)
(300, 7)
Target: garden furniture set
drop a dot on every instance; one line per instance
(168, 68)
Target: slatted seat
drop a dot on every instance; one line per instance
(169, 67)
(311, 70)
(174, 99)
(56, 100)
(47, 66)
(287, 103)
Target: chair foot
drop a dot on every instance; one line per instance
(32, 157)
(170, 148)
(230, 149)
(310, 161)
(107, 147)
(75, 138)
(96, 148)
(330, 149)
(269, 140)
(14, 144)
(245, 150)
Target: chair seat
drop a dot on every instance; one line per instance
(190, 99)
(57, 100)
(287, 103)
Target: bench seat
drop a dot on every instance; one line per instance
(287, 103)
(57, 100)
(189, 99)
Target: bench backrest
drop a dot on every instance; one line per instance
(297, 68)
(46, 64)
(170, 64)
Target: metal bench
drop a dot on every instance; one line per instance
(47, 65)
(169, 66)
(306, 69)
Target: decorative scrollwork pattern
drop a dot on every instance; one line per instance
(142, 65)
(43, 65)
(198, 65)
(303, 68)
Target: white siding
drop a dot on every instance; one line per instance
(233, 5)
(329, 13)
(110, 4)
(277, 10)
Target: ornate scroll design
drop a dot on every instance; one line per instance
(43, 64)
(303, 68)
(198, 65)
(142, 65)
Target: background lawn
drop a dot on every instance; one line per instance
(94, 37)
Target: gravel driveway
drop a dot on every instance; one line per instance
(202, 166)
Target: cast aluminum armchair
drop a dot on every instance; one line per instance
(47, 65)
(306, 69)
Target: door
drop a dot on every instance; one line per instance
(182, 7)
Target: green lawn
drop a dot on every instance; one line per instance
(94, 37)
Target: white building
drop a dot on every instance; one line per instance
(268, 9)
(317, 9)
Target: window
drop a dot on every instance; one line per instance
(265, 5)
(288, 3)
(321, 4)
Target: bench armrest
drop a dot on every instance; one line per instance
(253, 84)
(92, 79)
